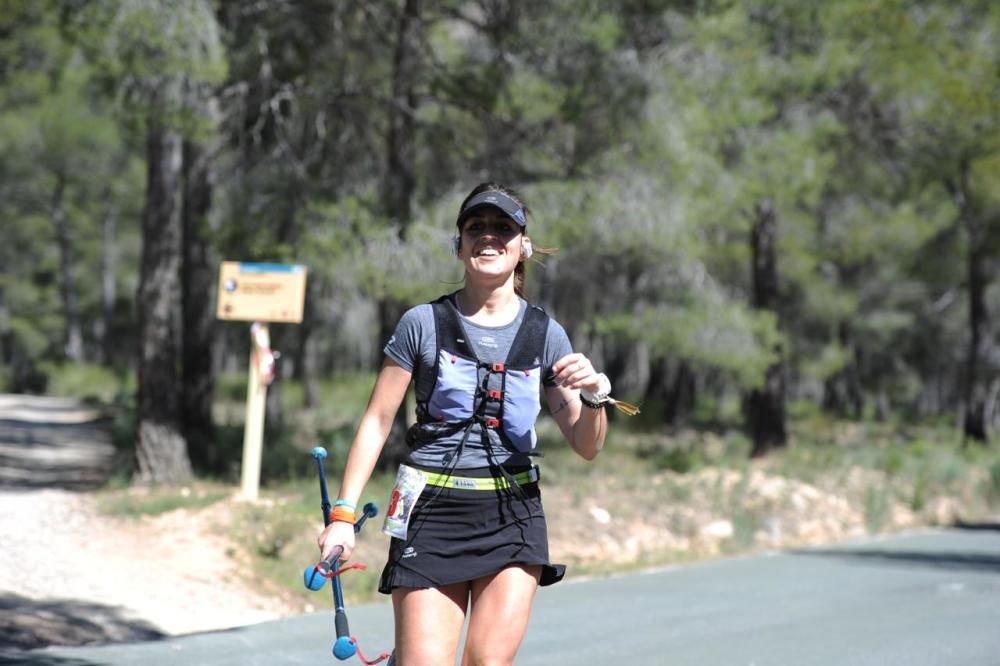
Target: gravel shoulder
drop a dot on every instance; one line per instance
(70, 574)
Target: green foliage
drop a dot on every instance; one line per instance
(719, 335)
(285, 456)
(65, 171)
(918, 498)
(231, 387)
(95, 383)
(280, 534)
(149, 56)
(994, 487)
(876, 509)
(831, 360)
(643, 136)
(153, 502)
(270, 529)
(676, 460)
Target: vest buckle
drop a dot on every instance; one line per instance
(498, 367)
(496, 395)
(492, 423)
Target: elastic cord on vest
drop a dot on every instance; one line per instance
(441, 411)
(480, 418)
(487, 406)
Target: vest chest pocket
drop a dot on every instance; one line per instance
(522, 389)
(455, 390)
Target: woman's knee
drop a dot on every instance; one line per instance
(498, 620)
(429, 624)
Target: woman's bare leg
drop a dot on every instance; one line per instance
(498, 617)
(429, 623)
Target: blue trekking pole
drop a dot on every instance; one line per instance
(346, 646)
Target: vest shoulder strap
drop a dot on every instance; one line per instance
(529, 344)
(525, 351)
(449, 332)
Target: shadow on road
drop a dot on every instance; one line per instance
(994, 527)
(36, 659)
(30, 623)
(940, 560)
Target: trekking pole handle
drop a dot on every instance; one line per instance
(331, 562)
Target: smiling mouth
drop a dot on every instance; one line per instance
(488, 252)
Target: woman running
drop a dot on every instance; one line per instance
(469, 535)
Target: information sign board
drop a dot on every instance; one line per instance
(261, 292)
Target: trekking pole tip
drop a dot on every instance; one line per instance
(344, 648)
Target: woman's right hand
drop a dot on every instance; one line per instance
(337, 533)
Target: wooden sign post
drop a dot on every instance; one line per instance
(259, 293)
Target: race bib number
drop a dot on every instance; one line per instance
(410, 483)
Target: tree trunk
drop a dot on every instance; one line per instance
(673, 386)
(197, 287)
(765, 406)
(681, 396)
(629, 366)
(976, 422)
(842, 393)
(5, 336)
(305, 353)
(161, 452)
(399, 185)
(73, 337)
(109, 261)
(395, 450)
(274, 413)
(400, 181)
(283, 338)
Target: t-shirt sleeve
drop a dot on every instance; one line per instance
(404, 347)
(557, 345)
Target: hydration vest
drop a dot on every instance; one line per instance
(460, 398)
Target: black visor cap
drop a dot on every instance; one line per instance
(496, 200)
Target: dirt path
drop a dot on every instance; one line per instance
(70, 575)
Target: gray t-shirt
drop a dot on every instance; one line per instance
(414, 346)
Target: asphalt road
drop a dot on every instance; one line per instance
(921, 599)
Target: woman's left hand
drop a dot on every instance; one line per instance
(575, 371)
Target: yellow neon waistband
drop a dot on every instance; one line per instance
(485, 483)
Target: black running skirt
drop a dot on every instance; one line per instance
(461, 535)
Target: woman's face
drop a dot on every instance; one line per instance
(491, 243)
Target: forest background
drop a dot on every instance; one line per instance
(766, 213)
